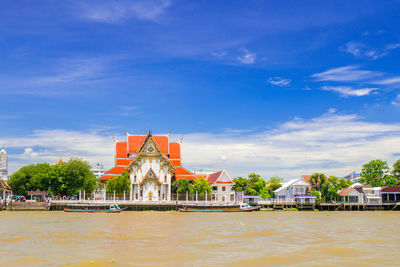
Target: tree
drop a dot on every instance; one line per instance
(201, 186)
(182, 186)
(60, 179)
(317, 180)
(316, 193)
(274, 183)
(31, 177)
(240, 184)
(373, 172)
(396, 169)
(119, 184)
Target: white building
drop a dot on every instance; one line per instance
(221, 184)
(352, 195)
(98, 170)
(292, 189)
(372, 195)
(3, 164)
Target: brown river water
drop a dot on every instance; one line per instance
(200, 239)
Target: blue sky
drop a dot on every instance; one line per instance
(278, 87)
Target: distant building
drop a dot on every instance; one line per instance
(3, 164)
(353, 177)
(390, 194)
(98, 170)
(292, 189)
(352, 195)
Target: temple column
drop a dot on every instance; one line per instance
(131, 193)
(169, 192)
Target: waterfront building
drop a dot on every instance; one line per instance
(351, 195)
(153, 162)
(372, 195)
(390, 194)
(3, 164)
(290, 190)
(221, 183)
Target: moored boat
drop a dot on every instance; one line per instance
(241, 208)
(92, 208)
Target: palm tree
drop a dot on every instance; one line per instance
(316, 180)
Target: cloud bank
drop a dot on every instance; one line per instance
(332, 143)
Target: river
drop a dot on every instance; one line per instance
(200, 239)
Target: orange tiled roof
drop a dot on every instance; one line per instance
(174, 150)
(116, 170)
(124, 162)
(134, 143)
(120, 150)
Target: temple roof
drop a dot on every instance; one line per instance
(127, 151)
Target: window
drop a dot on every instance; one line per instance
(165, 178)
(223, 188)
(215, 188)
(134, 178)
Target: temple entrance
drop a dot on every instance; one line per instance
(150, 195)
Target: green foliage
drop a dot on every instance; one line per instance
(65, 179)
(316, 193)
(254, 185)
(396, 170)
(119, 184)
(274, 183)
(317, 180)
(182, 186)
(373, 172)
(240, 184)
(30, 178)
(201, 186)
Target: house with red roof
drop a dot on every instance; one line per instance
(222, 185)
(153, 163)
(390, 194)
(352, 195)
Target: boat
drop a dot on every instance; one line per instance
(241, 208)
(92, 208)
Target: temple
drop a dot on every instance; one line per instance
(153, 163)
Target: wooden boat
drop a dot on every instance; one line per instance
(241, 208)
(92, 208)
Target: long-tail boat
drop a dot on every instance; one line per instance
(92, 208)
(241, 208)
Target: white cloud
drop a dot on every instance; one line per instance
(387, 81)
(332, 143)
(278, 81)
(345, 74)
(396, 101)
(219, 53)
(118, 12)
(346, 91)
(363, 51)
(247, 57)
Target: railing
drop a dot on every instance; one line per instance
(193, 198)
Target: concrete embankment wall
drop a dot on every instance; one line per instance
(139, 206)
(28, 206)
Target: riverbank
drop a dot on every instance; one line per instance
(174, 206)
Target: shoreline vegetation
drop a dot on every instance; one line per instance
(67, 180)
